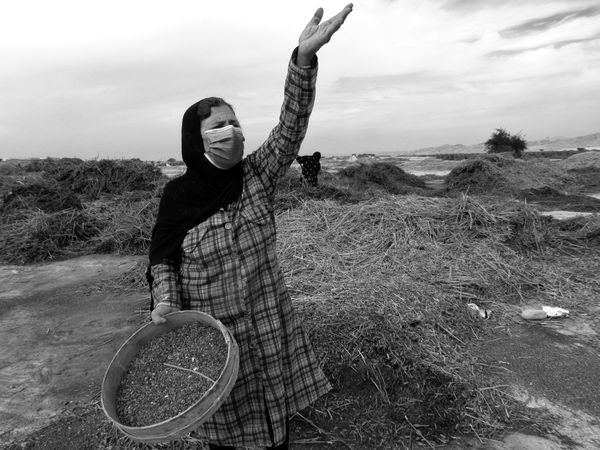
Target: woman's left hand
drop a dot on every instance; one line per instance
(317, 34)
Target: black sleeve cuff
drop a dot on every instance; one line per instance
(313, 62)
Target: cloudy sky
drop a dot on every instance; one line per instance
(112, 78)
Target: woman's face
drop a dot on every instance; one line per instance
(220, 116)
(224, 148)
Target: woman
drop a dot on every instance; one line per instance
(214, 249)
(310, 167)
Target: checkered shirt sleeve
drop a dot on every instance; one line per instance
(166, 287)
(276, 154)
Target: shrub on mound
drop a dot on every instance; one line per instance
(388, 176)
(499, 160)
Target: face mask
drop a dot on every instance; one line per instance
(225, 146)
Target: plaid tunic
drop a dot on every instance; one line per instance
(230, 270)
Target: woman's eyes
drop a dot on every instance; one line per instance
(235, 123)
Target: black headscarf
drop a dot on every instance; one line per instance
(195, 196)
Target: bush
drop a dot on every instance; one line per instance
(502, 141)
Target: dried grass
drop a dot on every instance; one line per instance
(391, 178)
(292, 190)
(129, 220)
(41, 195)
(381, 283)
(382, 289)
(495, 174)
(586, 160)
(38, 236)
(120, 225)
(95, 177)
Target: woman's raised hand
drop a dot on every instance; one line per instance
(317, 34)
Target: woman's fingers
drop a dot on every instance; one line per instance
(159, 312)
(317, 33)
(316, 19)
(157, 318)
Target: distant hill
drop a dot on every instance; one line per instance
(588, 141)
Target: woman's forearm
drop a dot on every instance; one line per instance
(166, 287)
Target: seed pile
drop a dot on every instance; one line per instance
(152, 390)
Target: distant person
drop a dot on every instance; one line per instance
(213, 250)
(310, 167)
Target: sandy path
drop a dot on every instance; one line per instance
(58, 337)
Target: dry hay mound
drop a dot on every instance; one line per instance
(585, 160)
(10, 168)
(500, 174)
(106, 176)
(560, 200)
(389, 177)
(129, 219)
(475, 176)
(292, 190)
(46, 196)
(52, 165)
(585, 170)
(40, 236)
(382, 289)
(120, 224)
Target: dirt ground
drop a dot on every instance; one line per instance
(58, 334)
(61, 323)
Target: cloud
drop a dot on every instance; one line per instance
(541, 24)
(554, 45)
(396, 85)
(475, 5)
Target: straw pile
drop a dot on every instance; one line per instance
(382, 289)
(292, 190)
(43, 195)
(48, 215)
(349, 185)
(38, 236)
(504, 175)
(95, 177)
(118, 226)
(387, 176)
(585, 160)
(128, 223)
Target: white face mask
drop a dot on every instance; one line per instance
(224, 146)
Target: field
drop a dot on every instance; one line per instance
(382, 264)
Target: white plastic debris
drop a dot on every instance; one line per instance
(483, 313)
(554, 311)
(534, 314)
(543, 312)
